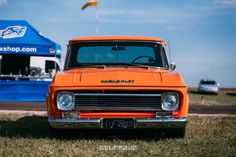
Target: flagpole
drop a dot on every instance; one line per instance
(97, 22)
(93, 3)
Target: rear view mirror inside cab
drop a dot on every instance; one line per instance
(118, 48)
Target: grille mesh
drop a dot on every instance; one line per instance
(90, 101)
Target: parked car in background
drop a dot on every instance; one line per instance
(208, 86)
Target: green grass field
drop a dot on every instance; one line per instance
(206, 136)
(225, 97)
(29, 136)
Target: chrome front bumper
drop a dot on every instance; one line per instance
(158, 122)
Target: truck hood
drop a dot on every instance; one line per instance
(118, 77)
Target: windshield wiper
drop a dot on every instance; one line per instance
(137, 65)
(93, 65)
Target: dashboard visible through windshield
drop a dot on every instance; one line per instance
(88, 54)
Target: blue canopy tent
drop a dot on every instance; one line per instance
(19, 41)
(19, 37)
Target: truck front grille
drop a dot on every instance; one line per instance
(118, 101)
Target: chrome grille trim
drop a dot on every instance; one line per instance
(117, 102)
(105, 94)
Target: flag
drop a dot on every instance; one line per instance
(91, 3)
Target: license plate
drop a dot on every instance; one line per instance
(118, 123)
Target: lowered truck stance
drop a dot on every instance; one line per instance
(118, 82)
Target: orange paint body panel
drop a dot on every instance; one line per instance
(145, 79)
(182, 112)
(117, 38)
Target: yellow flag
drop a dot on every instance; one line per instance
(91, 3)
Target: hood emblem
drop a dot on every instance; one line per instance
(118, 81)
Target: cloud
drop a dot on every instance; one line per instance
(230, 3)
(174, 18)
(3, 2)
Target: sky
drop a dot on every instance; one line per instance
(201, 34)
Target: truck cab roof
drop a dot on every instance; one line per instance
(119, 38)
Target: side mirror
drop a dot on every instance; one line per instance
(172, 66)
(49, 65)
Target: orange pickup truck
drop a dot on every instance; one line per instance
(118, 82)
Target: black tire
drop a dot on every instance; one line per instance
(176, 133)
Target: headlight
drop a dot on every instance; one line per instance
(170, 101)
(65, 101)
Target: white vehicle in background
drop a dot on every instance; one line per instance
(34, 68)
(208, 86)
(45, 67)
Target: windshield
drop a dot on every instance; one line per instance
(117, 53)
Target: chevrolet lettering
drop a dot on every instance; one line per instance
(117, 81)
